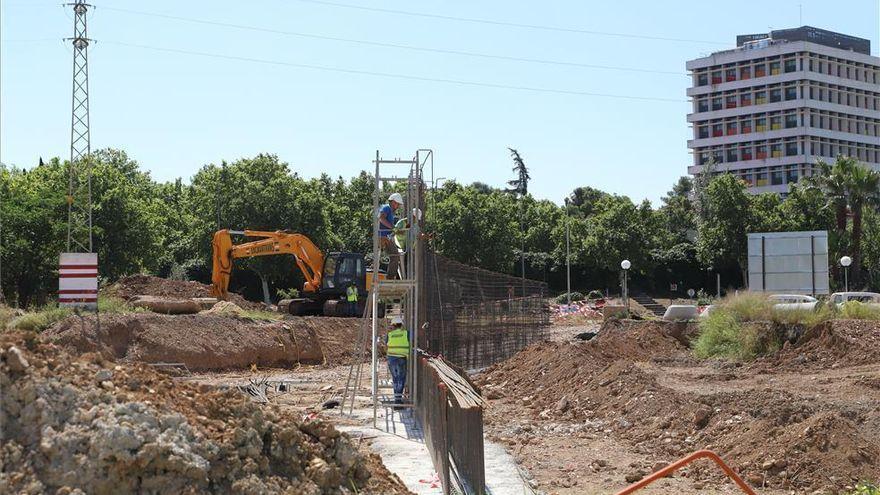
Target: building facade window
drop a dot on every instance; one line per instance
(775, 123)
(776, 177)
(760, 124)
(745, 73)
(790, 65)
(731, 128)
(761, 179)
(791, 120)
(791, 148)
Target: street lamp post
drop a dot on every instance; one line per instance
(845, 262)
(625, 264)
(567, 254)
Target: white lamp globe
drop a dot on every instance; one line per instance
(625, 264)
(846, 261)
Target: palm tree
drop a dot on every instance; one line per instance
(848, 187)
(831, 180)
(863, 190)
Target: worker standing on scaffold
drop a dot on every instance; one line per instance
(387, 219)
(397, 353)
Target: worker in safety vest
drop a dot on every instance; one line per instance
(401, 229)
(351, 298)
(387, 220)
(397, 354)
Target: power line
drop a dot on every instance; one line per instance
(393, 75)
(508, 24)
(392, 45)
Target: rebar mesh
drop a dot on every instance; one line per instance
(477, 317)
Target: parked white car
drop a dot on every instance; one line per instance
(838, 298)
(793, 302)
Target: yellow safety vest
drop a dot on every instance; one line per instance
(398, 343)
(352, 294)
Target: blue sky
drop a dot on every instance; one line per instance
(174, 112)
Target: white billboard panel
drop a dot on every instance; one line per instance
(789, 262)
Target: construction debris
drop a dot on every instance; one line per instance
(85, 425)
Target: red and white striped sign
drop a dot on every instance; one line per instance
(78, 280)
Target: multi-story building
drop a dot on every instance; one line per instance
(770, 108)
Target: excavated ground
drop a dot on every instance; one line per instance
(211, 341)
(82, 424)
(590, 417)
(148, 285)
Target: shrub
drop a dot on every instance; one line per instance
(866, 488)
(719, 335)
(595, 294)
(40, 319)
(291, 293)
(703, 299)
(855, 310)
(48, 315)
(563, 298)
(749, 306)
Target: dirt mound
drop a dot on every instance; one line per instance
(636, 381)
(81, 425)
(209, 341)
(550, 372)
(833, 343)
(148, 285)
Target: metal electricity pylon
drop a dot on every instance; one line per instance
(79, 192)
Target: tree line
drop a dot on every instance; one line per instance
(699, 230)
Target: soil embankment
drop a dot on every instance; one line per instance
(208, 341)
(806, 418)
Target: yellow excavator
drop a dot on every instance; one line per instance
(326, 277)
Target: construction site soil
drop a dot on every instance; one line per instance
(586, 416)
(82, 424)
(211, 340)
(148, 285)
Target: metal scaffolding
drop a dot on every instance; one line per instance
(393, 294)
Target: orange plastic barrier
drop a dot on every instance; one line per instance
(675, 466)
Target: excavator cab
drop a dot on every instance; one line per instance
(342, 270)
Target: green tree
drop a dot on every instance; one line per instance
(723, 224)
(259, 193)
(475, 227)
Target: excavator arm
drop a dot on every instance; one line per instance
(309, 258)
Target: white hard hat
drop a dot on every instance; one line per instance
(397, 320)
(417, 214)
(396, 197)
